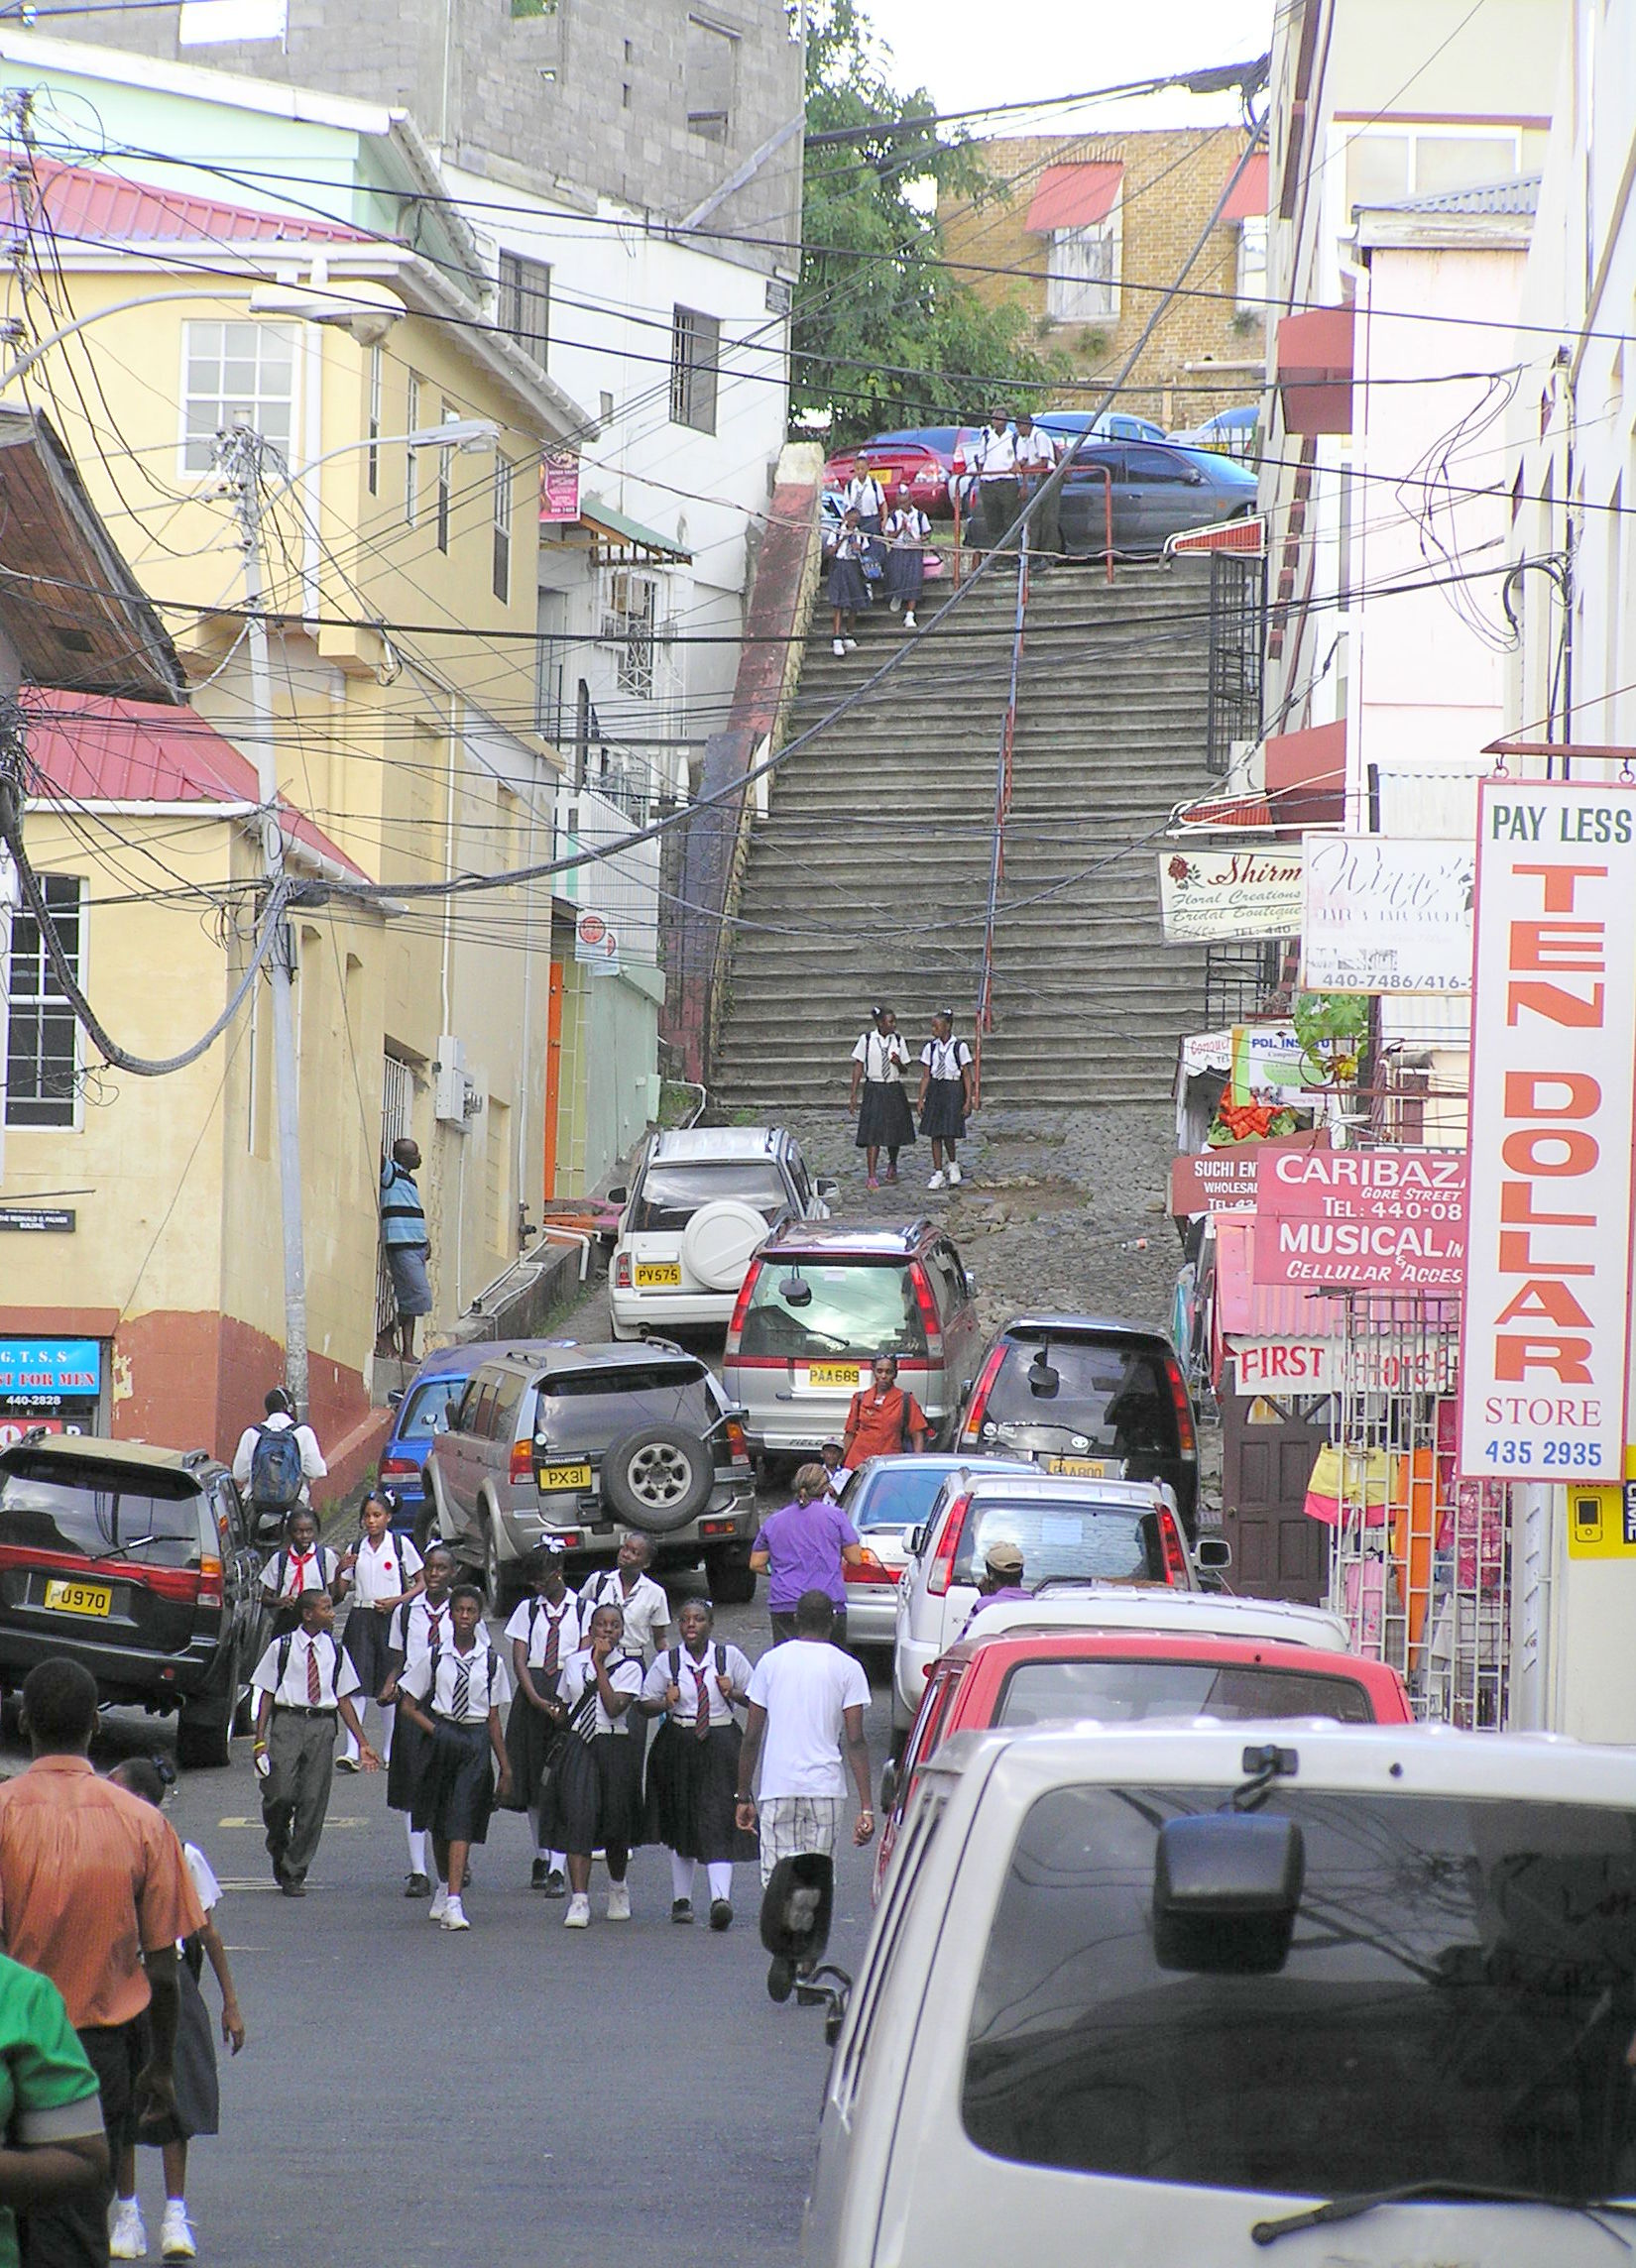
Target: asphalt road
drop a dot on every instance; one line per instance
(626, 2096)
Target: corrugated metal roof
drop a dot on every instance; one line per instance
(84, 205)
(1248, 201)
(1074, 197)
(94, 750)
(1515, 199)
(1246, 1309)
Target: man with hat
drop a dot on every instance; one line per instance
(1002, 1577)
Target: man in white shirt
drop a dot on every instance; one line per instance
(305, 1682)
(1036, 454)
(805, 1730)
(269, 1515)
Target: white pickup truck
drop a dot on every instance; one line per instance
(1199, 1995)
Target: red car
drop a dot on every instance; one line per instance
(1120, 1676)
(912, 466)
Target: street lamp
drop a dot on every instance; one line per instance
(365, 318)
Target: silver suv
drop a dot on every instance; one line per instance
(587, 1442)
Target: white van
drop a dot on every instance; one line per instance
(1183, 1996)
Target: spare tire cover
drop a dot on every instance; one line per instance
(718, 1241)
(658, 1478)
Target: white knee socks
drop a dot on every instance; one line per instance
(420, 1856)
(720, 1871)
(682, 1877)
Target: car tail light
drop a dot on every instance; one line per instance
(738, 1446)
(520, 1470)
(940, 1571)
(622, 1271)
(869, 1569)
(741, 1309)
(210, 1592)
(971, 1431)
(1174, 1549)
(929, 1320)
(183, 1584)
(1184, 1409)
(395, 1468)
(571, 1539)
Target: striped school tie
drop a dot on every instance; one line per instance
(462, 1690)
(584, 1719)
(701, 1718)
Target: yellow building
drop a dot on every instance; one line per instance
(400, 588)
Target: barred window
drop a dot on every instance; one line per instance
(695, 357)
(41, 1051)
(523, 308)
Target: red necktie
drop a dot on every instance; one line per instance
(701, 1721)
(299, 1562)
(553, 1641)
(315, 1691)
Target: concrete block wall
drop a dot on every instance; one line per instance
(1172, 182)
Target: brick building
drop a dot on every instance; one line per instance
(1086, 230)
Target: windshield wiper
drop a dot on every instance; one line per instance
(136, 1543)
(1476, 2192)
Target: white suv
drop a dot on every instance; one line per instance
(701, 1203)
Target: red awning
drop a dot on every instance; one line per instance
(1306, 776)
(1248, 201)
(1074, 197)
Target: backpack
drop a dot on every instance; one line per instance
(675, 1659)
(275, 1475)
(284, 1645)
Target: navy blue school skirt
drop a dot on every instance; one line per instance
(945, 1113)
(598, 1795)
(692, 1789)
(454, 1796)
(846, 587)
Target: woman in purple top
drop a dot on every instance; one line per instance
(805, 1547)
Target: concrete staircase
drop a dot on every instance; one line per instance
(869, 878)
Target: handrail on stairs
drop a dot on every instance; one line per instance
(984, 1019)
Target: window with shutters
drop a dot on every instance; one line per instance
(695, 358)
(42, 1048)
(524, 306)
(1083, 282)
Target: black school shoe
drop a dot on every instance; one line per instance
(721, 1914)
(556, 1885)
(417, 1886)
(682, 1909)
(293, 1886)
(540, 1874)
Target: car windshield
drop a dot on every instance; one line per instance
(898, 1496)
(1122, 1692)
(428, 1407)
(1457, 2005)
(1110, 1543)
(1120, 1401)
(857, 1308)
(148, 1517)
(668, 1195)
(592, 1409)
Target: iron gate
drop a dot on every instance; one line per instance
(1237, 631)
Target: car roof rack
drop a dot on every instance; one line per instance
(194, 1457)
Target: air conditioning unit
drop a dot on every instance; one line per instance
(455, 1098)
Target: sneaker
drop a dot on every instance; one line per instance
(127, 2238)
(176, 2237)
(293, 1886)
(440, 1903)
(540, 1874)
(417, 1886)
(454, 1915)
(895, 604)
(682, 1909)
(956, 1177)
(556, 1884)
(839, 649)
(346, 1763)
(618, 1902)
(909, 622)
(721, 1914)
(579, 1915)
(939, 1180)
(850, 644)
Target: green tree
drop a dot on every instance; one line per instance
(883, 334)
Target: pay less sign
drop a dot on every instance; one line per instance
(1545, 1341)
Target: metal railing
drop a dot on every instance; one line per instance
(984, 1019)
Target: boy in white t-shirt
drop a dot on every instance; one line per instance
(805, 1728)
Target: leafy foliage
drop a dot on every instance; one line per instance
(883, 334)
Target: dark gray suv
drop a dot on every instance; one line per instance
(586, 1442)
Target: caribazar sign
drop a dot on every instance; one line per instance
(1391, 1220)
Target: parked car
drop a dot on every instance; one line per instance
(1184, 1986)
(1032, 1677)
(1157, 491)
(887, 1499)
(700, 1204)
(1105, 425)
(913, 465)
(1088, 1396)
(419, 1413)
(136, 1562)
(820, 1301)
(1231, 432)
(1071, 1531)
(582, 1443)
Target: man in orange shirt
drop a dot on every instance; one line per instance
(884, 1420)
(94, 1894)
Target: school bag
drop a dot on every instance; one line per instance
(284, 1645)
(276, 1469)
(675, 1656)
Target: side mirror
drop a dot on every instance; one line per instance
(918, 1541)
(394, 1398)
(796, 1906)
(1212, 1554)
(619, 1196)
(889, 1780)
(827, 1189)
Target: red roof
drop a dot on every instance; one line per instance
(1246, 1309)
(96, 750)
(1248, 201)
(1074, 197)
(83, 205)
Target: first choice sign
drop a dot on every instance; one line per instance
(1545, 1337)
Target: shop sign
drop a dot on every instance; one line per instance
(1288, 1366)
(38, 1221)
(1223, 1181)
(1602, 1521)
(14, 1425)
(1326, 1365)
(560, 485)
(1390, 1220)
(50, 1366)
(1206, 1050)
(1208, 897)
(1384, 915)
(596, 943)
(1552, 1114)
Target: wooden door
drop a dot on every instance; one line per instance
(1268, 1449)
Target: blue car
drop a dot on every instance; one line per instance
(420, 1410)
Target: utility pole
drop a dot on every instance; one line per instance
(238, 458)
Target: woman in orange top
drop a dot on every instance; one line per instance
(884, 1420)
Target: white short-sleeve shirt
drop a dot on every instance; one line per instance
(646, 1609)
(206, 1888)
(625, 1675)
(336, 1675)
(488, 1683)
(288, 1574)
(534, 1622)
(806, 1686)
(689, 1676)
(384, 1570)
(885, 1058)
(419, 1626)
(996, 456)
(1037, 448)
(946, 1059)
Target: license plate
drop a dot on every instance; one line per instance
(79, 1598)
(1085, 1468)
(653, 1274)
(832, 1377)
(551, 1477)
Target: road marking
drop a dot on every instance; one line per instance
(331, 1821)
